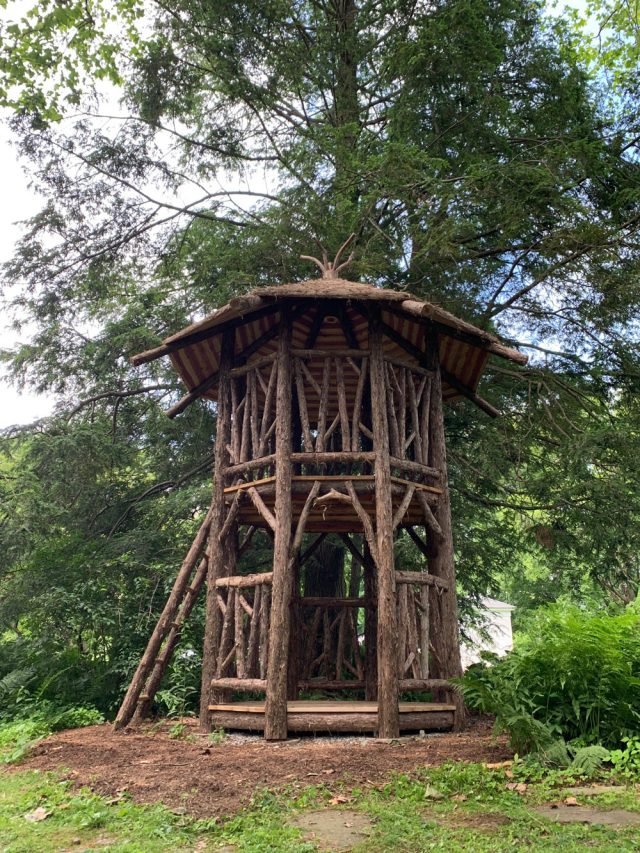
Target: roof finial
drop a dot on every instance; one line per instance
(330, 269)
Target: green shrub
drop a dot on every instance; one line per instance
(75, 718)
(19, 735)
(17, 738)
(576, 675)
(627, 760)
(588, 759)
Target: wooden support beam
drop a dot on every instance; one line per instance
(163, 626)
(407, 684)
(479, 401)
(253, 305)
(414, 467)
(323, 601)
(329, 353)
(199, 391)
(250, 465)
(217, 548)
(246, 685)
(276, 698)
(404, 506)
(162, 661)
(261, 506)
(207, 384)
(388, 715)
(311, 549)
(431, 522)
(244, 581)
(478, 339)
(444, 639)
(449, 378)
(421, 578)
(340, 456)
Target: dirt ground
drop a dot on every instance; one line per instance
(192, 776)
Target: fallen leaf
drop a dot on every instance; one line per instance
(497, 765)
(327, 772)
(37, 815)
(508, 774)
(338, 800)
(518, 787)
(570, 801)
(459, 798)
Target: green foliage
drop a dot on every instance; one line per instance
(217, 736)
(576, 675)
(18, 736)
(626, 761)
(589, 759)
(85, 820)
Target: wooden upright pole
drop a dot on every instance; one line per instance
(370, 627)
(218, 512)
(276, 700)
(445, 638)
(388, 715)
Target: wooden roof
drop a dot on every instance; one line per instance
(464, 348)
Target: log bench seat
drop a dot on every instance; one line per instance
(332, 716)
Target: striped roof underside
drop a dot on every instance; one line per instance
(199, 361)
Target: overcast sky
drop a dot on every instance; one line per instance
(17, 202)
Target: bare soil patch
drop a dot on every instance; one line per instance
(479, 821)
(617, 818)
(192, 776)
(333, 830)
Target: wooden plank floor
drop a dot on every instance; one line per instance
(332, 716)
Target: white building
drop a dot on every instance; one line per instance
(496, 622)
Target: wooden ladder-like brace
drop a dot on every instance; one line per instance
(164, 638)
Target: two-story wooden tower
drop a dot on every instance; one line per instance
(329, 427)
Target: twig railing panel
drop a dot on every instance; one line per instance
(253, 422)
(413, 590)
(243, 640)
(408, 403)
(330, 392)
(332, 652)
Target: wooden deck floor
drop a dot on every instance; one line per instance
(332, 716)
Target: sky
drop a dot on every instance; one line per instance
(17, 202)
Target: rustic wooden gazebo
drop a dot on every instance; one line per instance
(329, 428)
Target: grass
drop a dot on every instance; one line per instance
(475, 812)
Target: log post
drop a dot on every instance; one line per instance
(370, 627)
(444, 632)
(295, 634)
(163, 628)
(218, 511)
(388, 714)
(276, 699)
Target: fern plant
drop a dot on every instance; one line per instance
(577, 676)
(589, 759)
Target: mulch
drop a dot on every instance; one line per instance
(192, 776)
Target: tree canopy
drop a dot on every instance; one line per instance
(189, 151)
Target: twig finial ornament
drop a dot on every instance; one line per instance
(331, 269)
